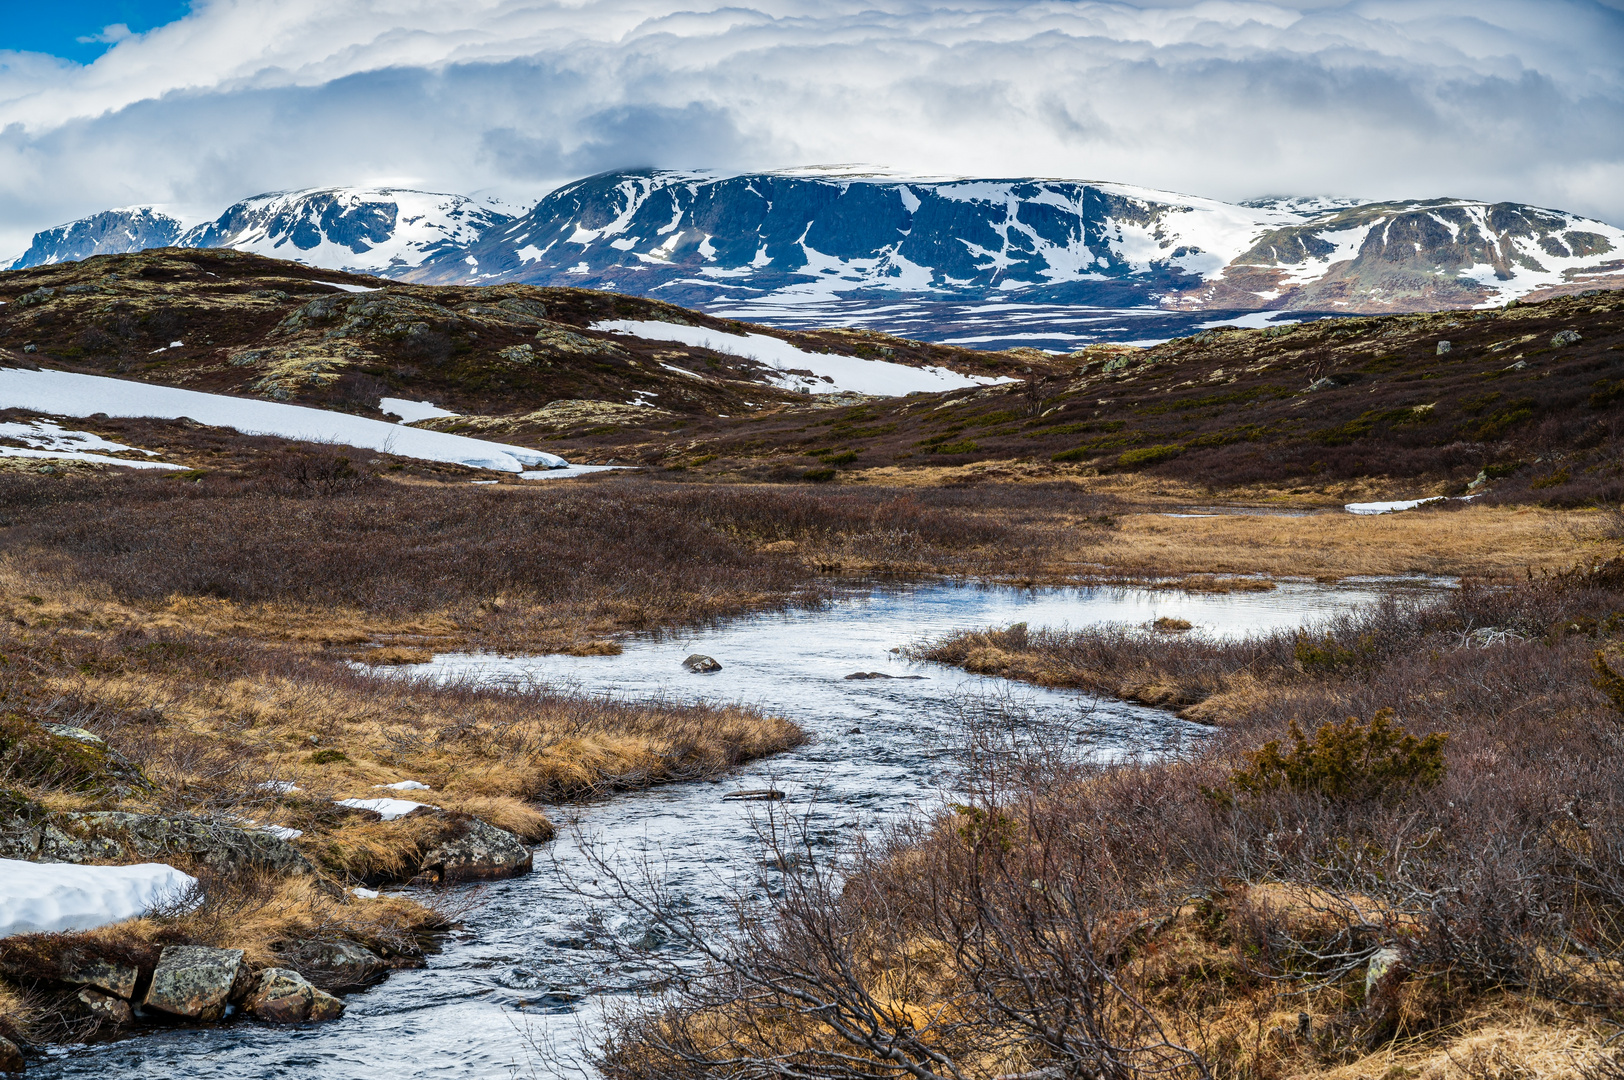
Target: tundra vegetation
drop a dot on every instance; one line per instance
(1398, 855)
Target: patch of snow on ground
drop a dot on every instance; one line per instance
(1388, 507)
(52, 898)
(346, 288)
(571, 470)
(831, 374)
(405, 785)
(389, 808)
(79, 455)
(1255, 320)
(410, 412)
(65, 393)
(44, 435)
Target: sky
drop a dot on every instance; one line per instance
(193, 106)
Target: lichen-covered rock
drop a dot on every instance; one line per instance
(100, 836)
(700, 664)
(472, 849)
(194, 981)
(106, 1008)
(334, 965)
(283, 996)
(22, 825)
(34, 751)
(78, 968)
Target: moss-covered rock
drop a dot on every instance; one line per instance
(64, 758)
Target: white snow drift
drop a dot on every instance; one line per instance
(389, 808)
(49, 898)
(831, 374)
(64, 393)
(49, 441)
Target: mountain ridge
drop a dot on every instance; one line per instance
(802, 242)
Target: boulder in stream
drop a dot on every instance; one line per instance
(110, 1010)
(334, 965)
(283, 996)
(196, 981)
(471, 849)
(11, 1058)
(700, 664)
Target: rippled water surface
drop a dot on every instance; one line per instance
(529, 959)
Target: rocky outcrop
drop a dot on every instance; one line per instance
(285, 997)
(334, 965)
(700, 664)
(78, 968)
(198, 982)
(114, 836)
(64, 757)
(470, 849)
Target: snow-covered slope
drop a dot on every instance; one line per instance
(64, 393)
(365, 230)
(700, 239)
(111, 232)
(809, 372)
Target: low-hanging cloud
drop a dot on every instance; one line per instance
(1499, 99)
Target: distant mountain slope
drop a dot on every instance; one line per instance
(362, 230)
(111, 232)
(946, 260)
(698, 238)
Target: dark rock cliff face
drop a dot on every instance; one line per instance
(110, 232)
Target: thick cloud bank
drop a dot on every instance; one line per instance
(1499, 99)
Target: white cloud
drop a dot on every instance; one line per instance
(1511, 99)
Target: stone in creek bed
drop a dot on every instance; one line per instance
(700, 664)
(107, 1008)
(285, 997)
(196, 981)
(80, 969)
(11, 1058)
(765, 794)
(883, 675)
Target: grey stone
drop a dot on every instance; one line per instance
(107, 1008)
(334, 965)
(105, 835)
(194, 981)
(700, 664)
(80, 969)
(79, 734)
(283, 996)
(1443, 347)
(472, 849)
(11, 1058)
(1566, 337)
(1381, 963)
(1323, 384)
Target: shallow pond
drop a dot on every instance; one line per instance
(529, 960)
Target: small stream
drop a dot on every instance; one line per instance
(530, 958)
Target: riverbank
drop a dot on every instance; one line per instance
(1399, 858)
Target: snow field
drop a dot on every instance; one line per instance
(50, 898)
(64, 393)
(831, 374)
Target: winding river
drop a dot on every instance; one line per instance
(528, 966)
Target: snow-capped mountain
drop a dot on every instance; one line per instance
(366, 230)
(111, 232)
(699, 239)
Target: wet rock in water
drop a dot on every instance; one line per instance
(334, 965)
(195, 981)
(11, 1058)
(117, 836)
(81, 969)
(700, 664)
(106, 1008)
(471, 849)
(868, 675)
(283, 996)
(762, 794)
(855, 731)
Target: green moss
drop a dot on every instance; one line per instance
(1148, 455)
(327, 757)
